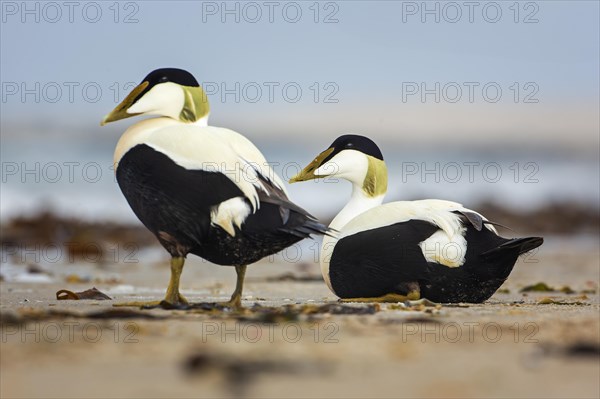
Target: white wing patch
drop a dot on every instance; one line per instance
(445, 250)
(229, 213)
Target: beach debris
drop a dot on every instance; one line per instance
(9, 318)
(553, 218)
(336, 308)
(268, 314)
(92, 242)
(421, 305)
(416, 320)
(305, 278)
(34, 268)
(239, 372)
(580, 349)
(92, 293)
(26, 315)
(112, 313)
(553, 301)
(236, 368)
(457, 305)
(567, 290)
(548, 301)
(539, 287)
(503, 291)
(77, 279)
(287, 313)
(583, 349)
(29, 314)
(49, 228)
(591, 287)
(543, 287)
(280, 314)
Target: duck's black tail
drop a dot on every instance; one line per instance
(516, 245)
(309, 226)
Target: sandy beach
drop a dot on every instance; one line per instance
(295, 339)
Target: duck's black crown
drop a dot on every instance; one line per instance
(355, 142)
(174, 75)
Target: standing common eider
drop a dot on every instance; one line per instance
(200, 189)
(432, 249)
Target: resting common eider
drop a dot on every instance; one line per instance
(432, 249)
(200, 189)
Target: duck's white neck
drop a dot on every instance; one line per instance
(203, 122)
(359, 203)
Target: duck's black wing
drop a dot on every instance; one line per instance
(277, 214)
(375, 262)
(170, 200)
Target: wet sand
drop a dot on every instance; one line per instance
(536, 344)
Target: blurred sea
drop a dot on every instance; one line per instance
(73, 176)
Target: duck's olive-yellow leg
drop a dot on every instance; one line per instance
(411, 296)
(236, 297)
(173, 297)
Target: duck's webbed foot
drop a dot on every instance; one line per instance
(384, 298)
(138, 304)
(173, 298)
(170, 302)
(235, 303)
(411, 289)
(236, 298)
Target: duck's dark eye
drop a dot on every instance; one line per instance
(163, 79)
(349, 145)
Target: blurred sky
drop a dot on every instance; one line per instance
(364, 60)
(352, 66)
